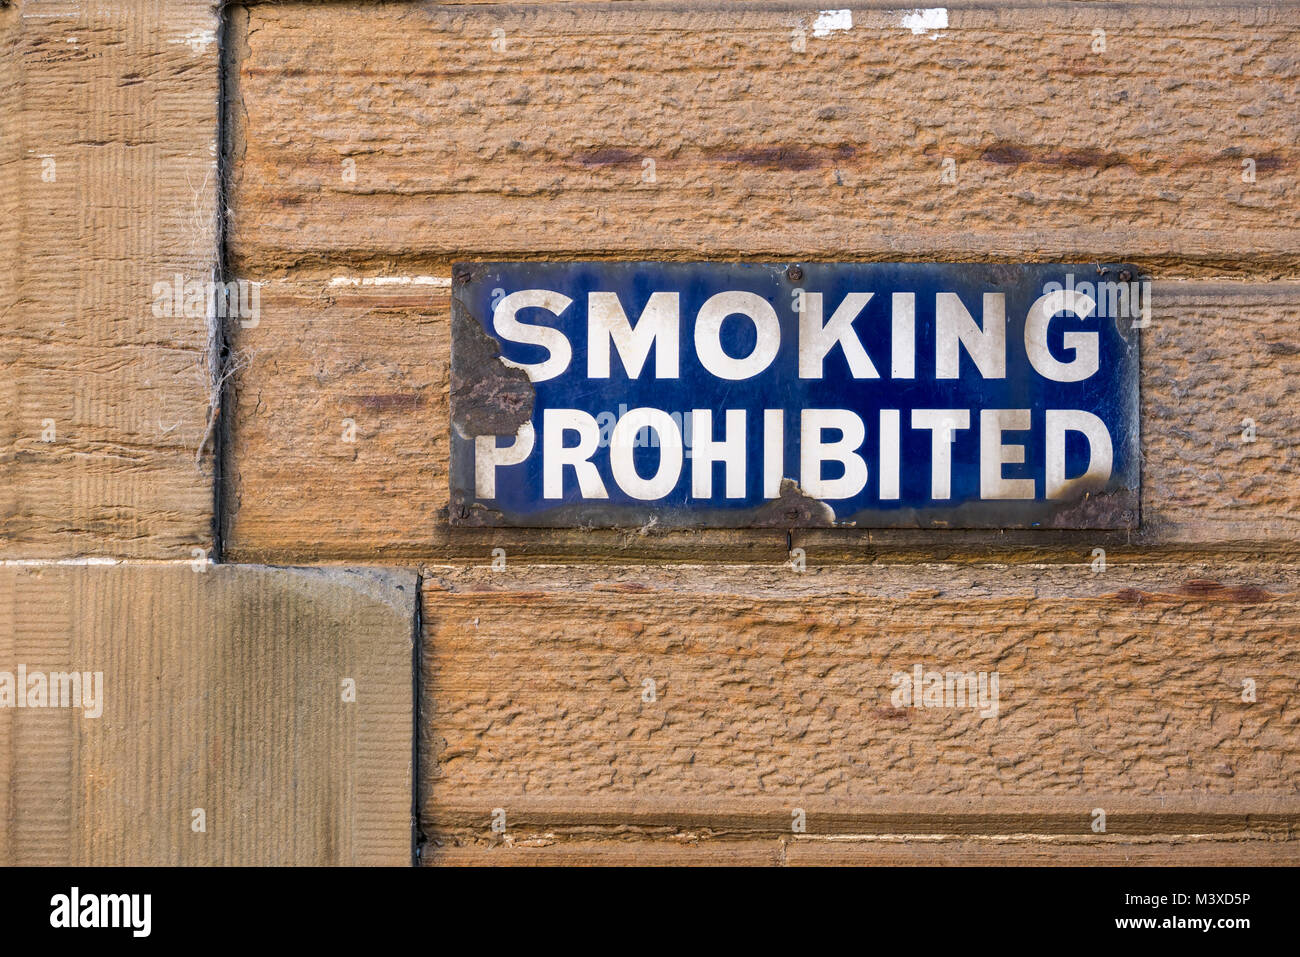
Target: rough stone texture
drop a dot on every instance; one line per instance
(122, 99)
(1120, 690)
(685, 848)
(537, 149)
(223, 691)
(1214, 354)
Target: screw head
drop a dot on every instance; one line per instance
(1125, 275)
(794, 273)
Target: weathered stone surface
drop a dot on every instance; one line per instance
(533, 141)
(108, 185)
(772, 690)
(223, 691)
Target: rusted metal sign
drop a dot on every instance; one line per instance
(792, 395)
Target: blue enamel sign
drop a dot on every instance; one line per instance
(922, 395)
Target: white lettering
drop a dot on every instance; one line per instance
(813, 452)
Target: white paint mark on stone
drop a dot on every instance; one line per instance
(441, 282)
(198, 40)
(88, 560)
(925, 20)
(830, 20)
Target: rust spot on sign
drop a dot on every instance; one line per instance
(462, 511)
(488, 397)
(1083, 506)
(793, 508)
